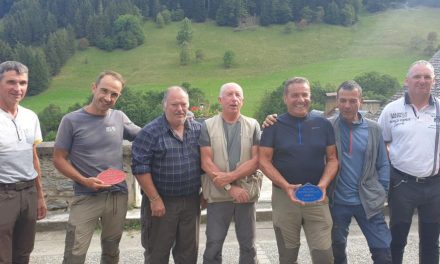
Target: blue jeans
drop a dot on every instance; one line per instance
(374, 229)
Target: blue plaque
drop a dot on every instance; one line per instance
(308, 193)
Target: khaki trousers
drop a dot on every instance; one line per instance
(110, 208)
(288, 219)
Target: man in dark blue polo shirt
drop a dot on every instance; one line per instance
(166, 163)
(298, 149)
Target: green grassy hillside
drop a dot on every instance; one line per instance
(265, 57)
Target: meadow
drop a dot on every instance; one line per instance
(265, 57)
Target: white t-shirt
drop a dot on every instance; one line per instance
(411, 135)
(17, 137)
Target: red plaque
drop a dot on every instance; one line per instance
(111, 176)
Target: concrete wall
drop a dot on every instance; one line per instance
(59, 189)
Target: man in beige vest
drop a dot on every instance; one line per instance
(229, 150)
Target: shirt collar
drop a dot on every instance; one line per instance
(166, 126)
(407, 100)
(357, 122)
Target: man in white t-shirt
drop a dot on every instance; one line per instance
(411, 129)
(21, 192)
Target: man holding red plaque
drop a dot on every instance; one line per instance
(298, 149)
(88, 148)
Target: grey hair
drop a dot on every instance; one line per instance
(226, 85)
(349, 85)
(420, 62)
(172, 88)
(293, 80)
(16, 66)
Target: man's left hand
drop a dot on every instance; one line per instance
(41, 209)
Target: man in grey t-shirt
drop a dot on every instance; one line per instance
(88, 142)
(228, 147)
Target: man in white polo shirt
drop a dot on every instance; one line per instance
(411, 129)
(21, 193)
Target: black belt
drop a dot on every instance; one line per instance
(409, 177)
(17, 186)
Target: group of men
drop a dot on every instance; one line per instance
(346, 157)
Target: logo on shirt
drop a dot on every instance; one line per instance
(110, 129)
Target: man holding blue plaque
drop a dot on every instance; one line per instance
(360, 188)
(299, 149)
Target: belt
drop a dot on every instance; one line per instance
(409, 177)
(17, 186)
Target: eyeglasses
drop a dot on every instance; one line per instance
(16, 129)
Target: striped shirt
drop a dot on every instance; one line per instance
(174, 164)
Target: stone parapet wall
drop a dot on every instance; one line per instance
(59, 189)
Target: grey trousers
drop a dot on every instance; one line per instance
(219, 216)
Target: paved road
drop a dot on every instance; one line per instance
(50, 245)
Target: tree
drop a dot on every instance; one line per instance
(166, 14)
(39, 72)
(272, 101)
(185, 33)
(160, 22)
(140, 107)
(347, 15)
(281, 12)
(377, 86)
(200, 55)
(177, 14)
(6, 52)
(50, 119)
(332, 14)
(128, 32)
(185, 53)
(228, 59)
(228, 13)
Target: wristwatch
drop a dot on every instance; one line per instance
(227, 187)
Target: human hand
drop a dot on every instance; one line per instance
(157, 207)
(270, 120)
(95, 183)
(203, 202)
(290, 190)
(221, 179)
(239, 194)
(41, 208)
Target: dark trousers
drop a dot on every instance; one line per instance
(17, 224)
(374, 229)
(404, 197)
(176, 231)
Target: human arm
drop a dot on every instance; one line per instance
(383, 164)
(330, 169)
(221, 179)
(156, 204)
(62, 164)
(265, 155)
(42, 208)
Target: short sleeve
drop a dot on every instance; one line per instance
(204, 140)
(130, 128)
(384, 124)
(268, 137)
(330, 134)
(64, 135)
(257, 134)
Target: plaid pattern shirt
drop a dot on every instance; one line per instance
(174, 164)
